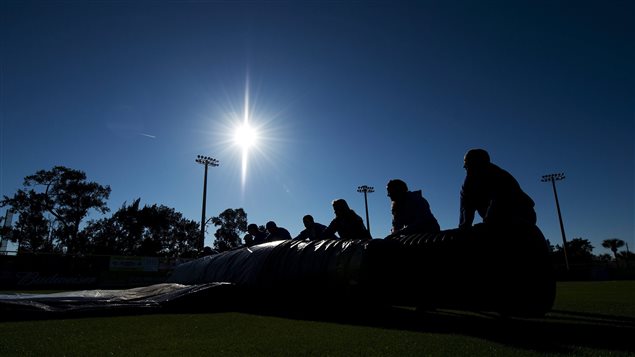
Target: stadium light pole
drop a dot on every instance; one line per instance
(553, 178)
(205, 161)
(366, 190)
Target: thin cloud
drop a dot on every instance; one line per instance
(148, 136)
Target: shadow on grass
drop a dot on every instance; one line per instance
(558, 332)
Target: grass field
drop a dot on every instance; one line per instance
(588, 319)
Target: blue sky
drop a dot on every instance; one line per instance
(343, 93)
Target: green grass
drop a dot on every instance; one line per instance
(604, 297)
(589, 319)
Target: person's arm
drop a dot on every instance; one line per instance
(331, 230)
(397, 225)
(302, 236)
(324, 234)
(466, 217)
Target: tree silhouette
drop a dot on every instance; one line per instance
(31, 231)
(154, 230)
(119, 234)
(231, 223)
(626, 255)
(579, 251)
(613, 244)
(168, 231)
(66, 196)
(605, 258)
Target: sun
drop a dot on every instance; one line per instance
(245, 136)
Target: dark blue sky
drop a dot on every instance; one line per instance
(344, 93)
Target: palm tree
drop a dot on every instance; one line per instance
(613, 244)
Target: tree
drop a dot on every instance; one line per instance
(604, 258)
(31, 231)
(154, 230)
(170, 233)
(119, 234)
(613, 244)
(231, 223)
(66, 197)
(579, 251)
(626, 255)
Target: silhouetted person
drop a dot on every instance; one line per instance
(248, 239)
(492, 192)
(313, 230)
(347, 224)
(209, 251)
(410, 211)
(276, 233)
(254, 235)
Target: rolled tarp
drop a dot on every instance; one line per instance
(499, 268)
(487, 268)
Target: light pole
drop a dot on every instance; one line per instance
(553, 178)
(205, 161)
(366, 190)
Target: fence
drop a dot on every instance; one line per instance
(62, 272)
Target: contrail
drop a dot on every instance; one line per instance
(148, 136)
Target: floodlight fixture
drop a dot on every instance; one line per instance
(366, 190)
(207, 162)
(553, 178)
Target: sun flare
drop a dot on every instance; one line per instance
(245, 136)
(246, 131)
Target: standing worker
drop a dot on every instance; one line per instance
(492, 192)
(410, 211)
(347, 224)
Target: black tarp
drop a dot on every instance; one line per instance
(151, 298)
(504, 269)
(500, 268)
